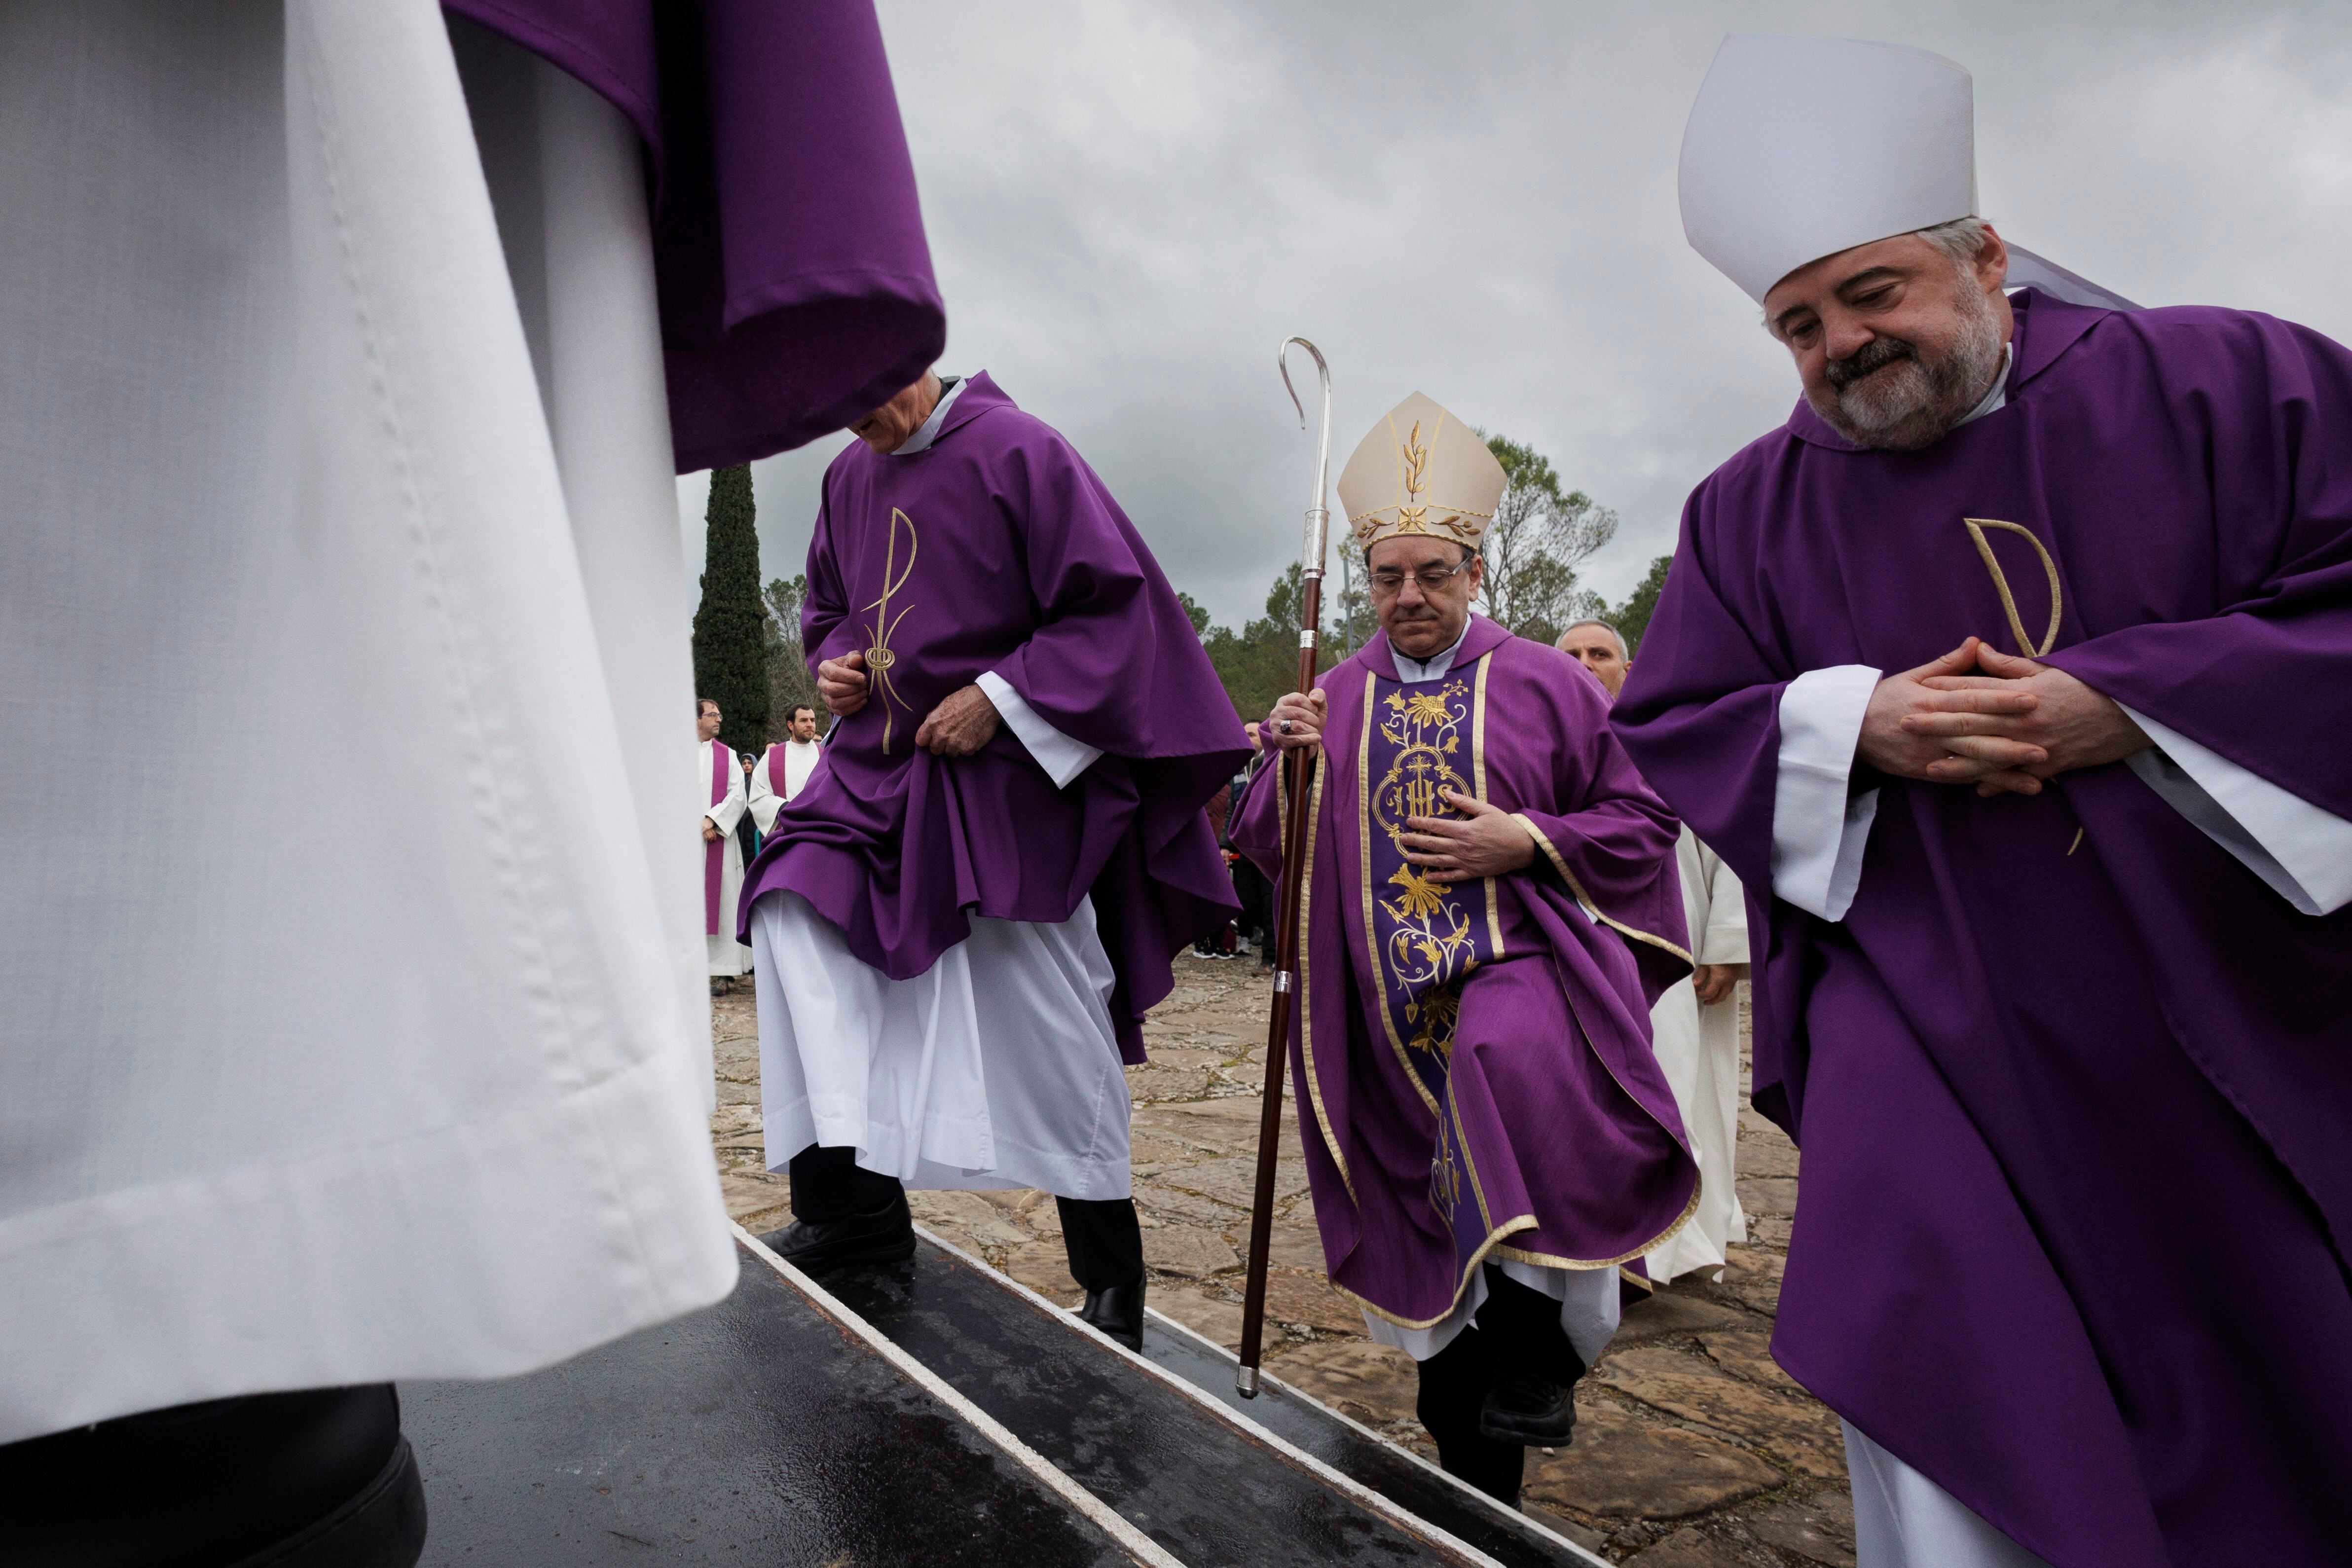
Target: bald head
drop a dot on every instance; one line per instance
(1598, 646)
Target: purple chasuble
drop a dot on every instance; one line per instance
(714, 853)
(998, 549)
(795, 279)
(2074, 1085)
(1474, 1059)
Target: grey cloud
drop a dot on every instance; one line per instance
(1130, 204)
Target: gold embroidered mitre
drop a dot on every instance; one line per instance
(1420, 471)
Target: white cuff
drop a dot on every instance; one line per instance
(1818, 834)
(1062, 757)
(2303, 852)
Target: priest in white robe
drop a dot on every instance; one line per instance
(783, 769)
(1694, 1026)
(722, 853)
(1695, 1030)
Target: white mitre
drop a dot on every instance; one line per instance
(1798, 148)
(1420, 471)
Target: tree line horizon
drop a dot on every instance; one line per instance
(747, 636)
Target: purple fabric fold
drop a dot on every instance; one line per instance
(998, 549)
(2067, 1068)
(795, 279)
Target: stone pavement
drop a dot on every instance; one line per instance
(1692, 1450)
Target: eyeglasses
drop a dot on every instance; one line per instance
(1388, 581)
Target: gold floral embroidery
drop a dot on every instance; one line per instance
(1428, 946)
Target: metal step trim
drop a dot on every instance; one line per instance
(1364, 1496)
(1136, 1544)
(1511, 1516)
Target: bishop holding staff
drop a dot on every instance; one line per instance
(1490, 908)
(2009, 675)
(957, 925)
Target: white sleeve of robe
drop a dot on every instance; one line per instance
(2301, 852)
(326, 493)
(763, 800)
(1062, 757)
(2304, 854)
(1817, 832)
(729, 811)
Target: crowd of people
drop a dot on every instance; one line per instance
(1532, 876)
(1984, 722)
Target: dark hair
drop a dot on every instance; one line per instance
(798, 709)
(701, 703)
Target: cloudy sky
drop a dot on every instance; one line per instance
(1131, 203)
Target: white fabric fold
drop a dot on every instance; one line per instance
(2303, 852)
(1589, 1307)
(1903, 1520)
(325, 495)
(1819, 827)
(997, 1067)
(1062, 757)
(929, 431)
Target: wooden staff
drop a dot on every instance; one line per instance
(1298, 768)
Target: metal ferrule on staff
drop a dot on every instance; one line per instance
(1297, 770)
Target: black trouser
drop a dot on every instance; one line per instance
(1104, 1241)
(1517, 1329)
(828, 1184)
(319, 1479)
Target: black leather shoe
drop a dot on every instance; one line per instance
(1117, 1312)
(1530, 1411)
(885, 1235)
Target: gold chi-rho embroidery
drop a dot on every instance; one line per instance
(2025, 645)
(878, 656)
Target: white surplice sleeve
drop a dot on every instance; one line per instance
(729, 811)
(1723, 938)
(1062, 757)
(1817, 832)
(2303, 852)
(763, 800)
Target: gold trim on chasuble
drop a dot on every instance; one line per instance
(1584, 899)
(1300, 1001)
(878, 656)
(2025, 645)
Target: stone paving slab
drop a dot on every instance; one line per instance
(1692, 1450)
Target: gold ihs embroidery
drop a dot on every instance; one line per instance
(878, 656)
(1430, 945)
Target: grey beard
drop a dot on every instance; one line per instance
(1915, 403)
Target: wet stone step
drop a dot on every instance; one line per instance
(1211, 1493)
(757, 1431)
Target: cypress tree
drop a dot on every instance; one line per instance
(730, 653)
